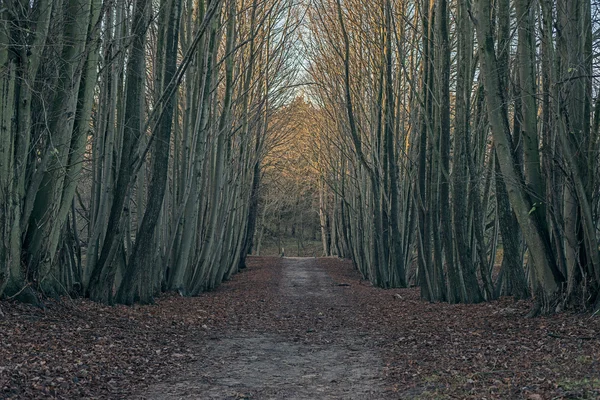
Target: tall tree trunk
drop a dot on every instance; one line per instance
(469, 289)
(256, 170)
(424, 249)
(142, 260)
(535, 234)
(445, 214)
(103, 276)
(512, 281)
(397, 257)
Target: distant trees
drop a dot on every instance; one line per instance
(129, 133)
(290, 218)
(473, 123)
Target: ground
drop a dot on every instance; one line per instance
(297, 329)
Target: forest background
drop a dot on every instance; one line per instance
(149, 146)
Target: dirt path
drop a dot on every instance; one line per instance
(315, 357)
(296, 329)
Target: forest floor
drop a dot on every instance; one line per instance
(296, 329)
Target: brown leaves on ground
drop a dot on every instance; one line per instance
(78, 349)
(488, 350)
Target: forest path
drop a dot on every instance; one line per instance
(296, 329)
(305, 349)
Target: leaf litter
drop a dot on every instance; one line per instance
(306, 317)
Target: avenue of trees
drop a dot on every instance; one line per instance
(456, 130)
(449, 144)
(131, 136)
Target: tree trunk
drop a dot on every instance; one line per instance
(142, 261)
(535, 234)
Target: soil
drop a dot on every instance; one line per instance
(317, 357)
(293, 328)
